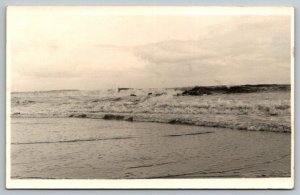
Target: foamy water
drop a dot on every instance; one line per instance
(264, 111)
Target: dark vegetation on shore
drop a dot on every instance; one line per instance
(209, 90)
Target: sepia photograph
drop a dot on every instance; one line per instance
(150, 97)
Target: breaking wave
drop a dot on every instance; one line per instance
(264, 108)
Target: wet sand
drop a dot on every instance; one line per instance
(58, 148)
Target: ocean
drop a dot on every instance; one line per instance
(153, 133)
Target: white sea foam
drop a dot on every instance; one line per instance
(264, 111)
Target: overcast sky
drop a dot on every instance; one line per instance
(56, 48)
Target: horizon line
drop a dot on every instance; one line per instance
(115, 88)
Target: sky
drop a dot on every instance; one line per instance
(85, 48)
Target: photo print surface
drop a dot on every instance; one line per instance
(147, 93)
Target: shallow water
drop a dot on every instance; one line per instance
(98, 149)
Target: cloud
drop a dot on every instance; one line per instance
(247, 49)
(200, 50)
(174, 51)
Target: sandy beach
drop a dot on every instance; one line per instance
(60, 148)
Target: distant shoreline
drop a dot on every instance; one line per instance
(212, 88)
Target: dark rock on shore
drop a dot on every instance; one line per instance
(117, 117)
(129, 119)
(78, 115)
(178, 121)
(113, 117)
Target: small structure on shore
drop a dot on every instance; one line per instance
(123, 89)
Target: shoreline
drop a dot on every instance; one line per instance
(172, 121)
